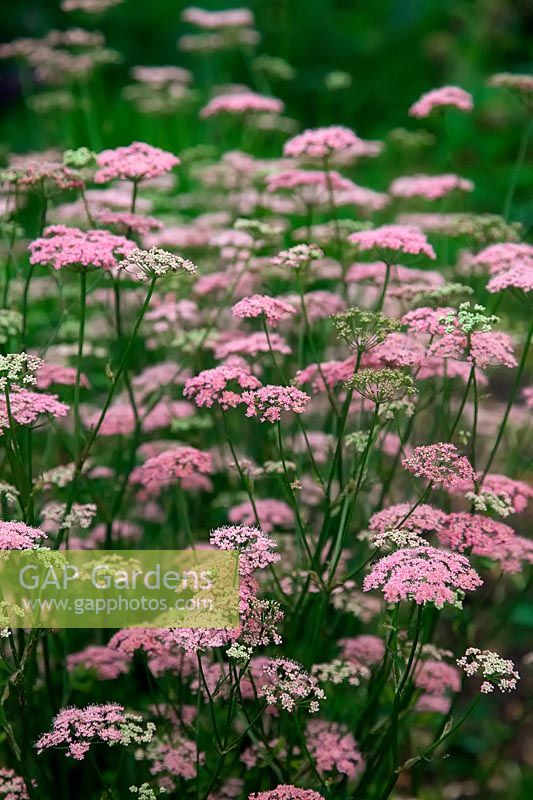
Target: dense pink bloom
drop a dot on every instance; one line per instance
(364, 649)
(484, 348)
(26, 407)
(61, 247)
(518, 277)
(286, 791)
(398, 350)
(211, 385)
(484, 536)
(424, 519)
(271, 513)
(77, 728)
(19, 536)
(261, 305)
(269, 402)
(445, 97)
(136, 162)
(423, 574)
(252, 345)
(434, 677)
(173, 465)
(48, 374)
(395, 238)
(158, 76)
(176, 759)
(106, 662)
(47, 175)
(427, 320)
(334, 749)
(440, 464)
(256, 549)
(504, 256)
(431, 187)
(242, 103)
(12, 786)
(320, 142)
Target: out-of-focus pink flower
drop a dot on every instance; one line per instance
(252, 345)
(484, 536)
(334, 749)
(106, 662)
(26, 407)
(445, 97)
(430, 187)
(286, 791)
(173, 465)
(242, 103)
(393, 239)
(424, 519)
(261, 305)
(435, 677)
(364, 649)
(271, 513)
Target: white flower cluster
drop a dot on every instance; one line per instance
(500, 503)
(497, 672)
(18, 368)
(298, 256)
(469, 319)
(144, 265)
(146, 792)
(10, 324)
(338, 671)
(80, 515)
(133, 731)
(397, 538)
(239, 652)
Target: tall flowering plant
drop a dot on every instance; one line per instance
(250, 351)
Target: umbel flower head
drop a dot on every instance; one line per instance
(389, 240)
(286, 791)
(19, 369)
(145, 265)
(424, 575)
(298, 256)
(381, 385)
(440, 464)
(496, 671)
(136, 162)
(76, 729)
(61, 246)
(362, 330)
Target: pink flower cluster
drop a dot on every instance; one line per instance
(242, 103)
(320, 142)
(26, 407)
(61, 246)
(445, 97)
(424, 575)
(424, 519)
(210, 386)
(487, 537)
(393, 238)
(76, 729)
(104, 661)
(334, 749)
(261, 305)
(256, 549)
(19, 536)
(136, 162)
(440, 464)
(286, 791)
(173, 465)
(269, 402)
(271, 513)
(431, 187)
